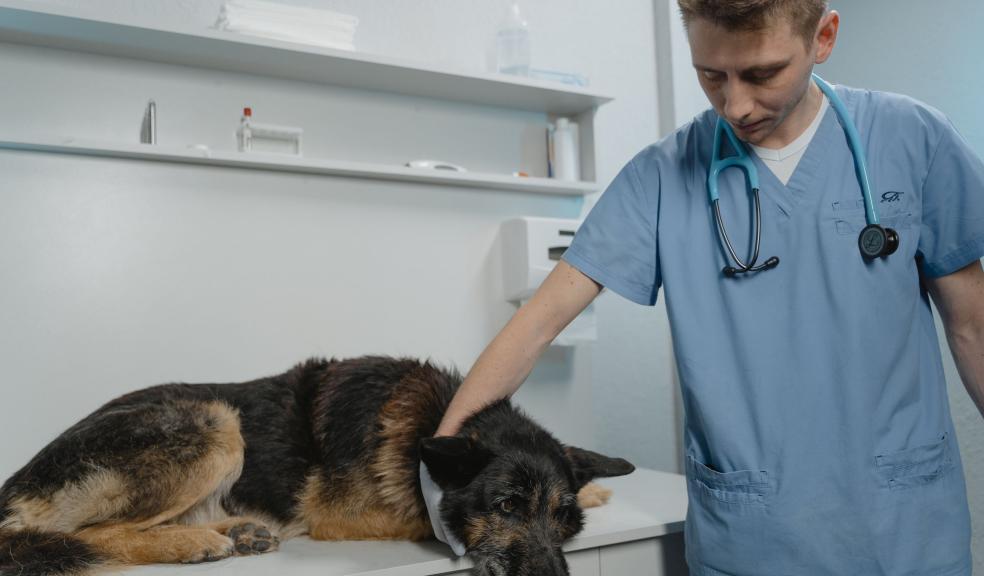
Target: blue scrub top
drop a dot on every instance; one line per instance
(818, 435)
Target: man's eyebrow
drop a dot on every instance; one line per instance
(769, 67)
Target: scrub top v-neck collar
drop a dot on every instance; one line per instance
(803, 184)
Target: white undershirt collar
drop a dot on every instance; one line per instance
(778, 155)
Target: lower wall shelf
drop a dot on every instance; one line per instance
(283, 163)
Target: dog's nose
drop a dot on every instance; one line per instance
(550, 562)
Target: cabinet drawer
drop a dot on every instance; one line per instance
(584, 562)
(581, 563)
(663, 556)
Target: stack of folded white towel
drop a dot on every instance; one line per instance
(289, 23)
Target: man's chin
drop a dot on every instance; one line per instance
(754, 134)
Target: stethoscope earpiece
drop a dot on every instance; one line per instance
(731, 271)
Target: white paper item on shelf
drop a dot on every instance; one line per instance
(313, 26)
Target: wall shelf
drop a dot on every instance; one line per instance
(22, 23)
(285, 163)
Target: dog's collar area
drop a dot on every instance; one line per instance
(432, 499)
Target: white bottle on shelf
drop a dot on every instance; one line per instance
(245, 132)
(512, 43)
(563, 153)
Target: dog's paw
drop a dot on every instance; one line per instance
(250, 538)
(213, 548)
(592, 495)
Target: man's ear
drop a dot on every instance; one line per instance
(826, 36)
(453, 461)
(588, 465)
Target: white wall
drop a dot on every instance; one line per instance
(932, 52)
(681, 97)
(120, 274)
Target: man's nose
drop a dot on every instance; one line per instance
(738, 102)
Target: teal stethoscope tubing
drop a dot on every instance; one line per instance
(742, 160)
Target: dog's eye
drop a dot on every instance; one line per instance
(508, 505)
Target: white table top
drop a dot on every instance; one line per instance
(644, 504)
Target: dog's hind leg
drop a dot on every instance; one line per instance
(172, 543)
(177, 543)
(145, 465)
(153, 537)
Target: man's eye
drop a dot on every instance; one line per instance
(712, 76)
(761, 77)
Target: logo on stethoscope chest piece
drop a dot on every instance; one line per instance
(891, 197)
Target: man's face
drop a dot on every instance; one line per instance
(756, 80)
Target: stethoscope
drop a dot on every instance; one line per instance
(874, 241)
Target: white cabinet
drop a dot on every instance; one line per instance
(584, 563)
(581, 563)
(662, 556)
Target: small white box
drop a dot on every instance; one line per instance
(275, 139)
(531, 249)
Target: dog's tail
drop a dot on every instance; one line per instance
(35, 553)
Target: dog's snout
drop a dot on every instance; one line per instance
(551, 567)
(549, 561)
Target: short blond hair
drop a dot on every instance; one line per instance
(749, 15)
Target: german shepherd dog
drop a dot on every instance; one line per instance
(331, 449)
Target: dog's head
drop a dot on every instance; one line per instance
(510, 491)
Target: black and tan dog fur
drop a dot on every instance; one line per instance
(192, 473)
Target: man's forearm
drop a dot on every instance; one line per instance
(967, 345)
(959, 297)
(491, 378)
(508, 360)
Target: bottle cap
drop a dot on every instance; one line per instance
(247, 111)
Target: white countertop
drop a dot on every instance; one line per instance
(644, 504)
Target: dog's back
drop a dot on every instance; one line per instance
(370, 416)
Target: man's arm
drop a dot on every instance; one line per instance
(507, 361)
(960, 299)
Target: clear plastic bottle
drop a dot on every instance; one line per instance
(245, 131)
(512, 43)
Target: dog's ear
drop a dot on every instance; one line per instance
(453, 461)
(588, 465)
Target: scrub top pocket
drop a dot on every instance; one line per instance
(848, 219)
(914, 466)
(738, 488)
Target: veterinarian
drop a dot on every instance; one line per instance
(818, 436)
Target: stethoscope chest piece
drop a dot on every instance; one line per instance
(877, 242)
